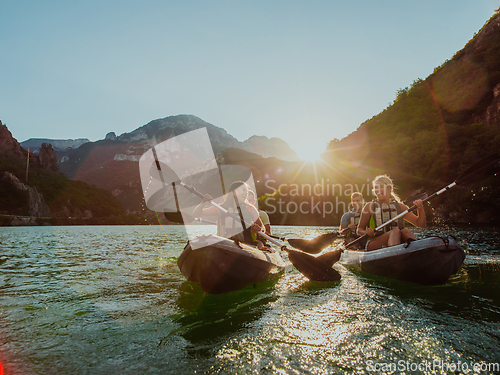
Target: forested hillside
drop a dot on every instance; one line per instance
(435, 129)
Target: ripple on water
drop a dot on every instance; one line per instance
(111, 300)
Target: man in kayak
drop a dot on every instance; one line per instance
(381, 210)
(351, 220)
(264, 217)
(227, 225)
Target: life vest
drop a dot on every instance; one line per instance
(353, 218)
(265, 220)
(382, 213)
(227, 226)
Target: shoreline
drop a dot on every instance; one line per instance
(24, 221)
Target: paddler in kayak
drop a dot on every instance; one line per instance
(386, 206)
(351, 220)
(264, 218)
(236, 202)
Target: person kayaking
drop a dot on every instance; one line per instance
(386, 206)
(351, 220)
(236, 202)
(264, 217)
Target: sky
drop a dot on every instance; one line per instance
(304, 71)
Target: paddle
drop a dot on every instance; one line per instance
(317, 244)
(174, 217)
(314, 268)
(484, 166)
(418, 194)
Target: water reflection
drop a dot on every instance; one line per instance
(112, 300)
(208, 317)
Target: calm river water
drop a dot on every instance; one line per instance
(111, 300)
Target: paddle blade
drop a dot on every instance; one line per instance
(418, 194)
(315, 268)
(315, 245)
(178, 217)
(162, 172)
(486, 166)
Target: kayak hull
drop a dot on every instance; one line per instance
(219, 265)
(430, 261)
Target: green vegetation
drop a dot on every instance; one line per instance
(435, 129)
(70, 202)
(12, 200)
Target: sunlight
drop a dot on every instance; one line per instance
(310, 149)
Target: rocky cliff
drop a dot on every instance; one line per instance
(30, 200)
(9, 144)
(47, 157)
(36, 205)
(42, 192)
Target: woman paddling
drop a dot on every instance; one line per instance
(385, 207)
(236, 203)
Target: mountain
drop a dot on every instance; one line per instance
(34, 144)
(435, 129)
(111, 163)
(9, 145)
(41, 191)
(162, 129)
(131, 146)
(273, 147)
(431, 133)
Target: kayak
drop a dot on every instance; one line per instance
(429, 261)
(221, 265)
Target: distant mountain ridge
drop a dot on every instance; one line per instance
(266, 147)
(111, 163)
(167, 127)
(34, 144)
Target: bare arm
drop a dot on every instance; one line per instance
(257, 224)
(364, 221)
(420, 220)
(201, 211)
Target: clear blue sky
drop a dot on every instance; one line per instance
(304, 71)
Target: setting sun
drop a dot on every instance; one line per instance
(310, 150)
